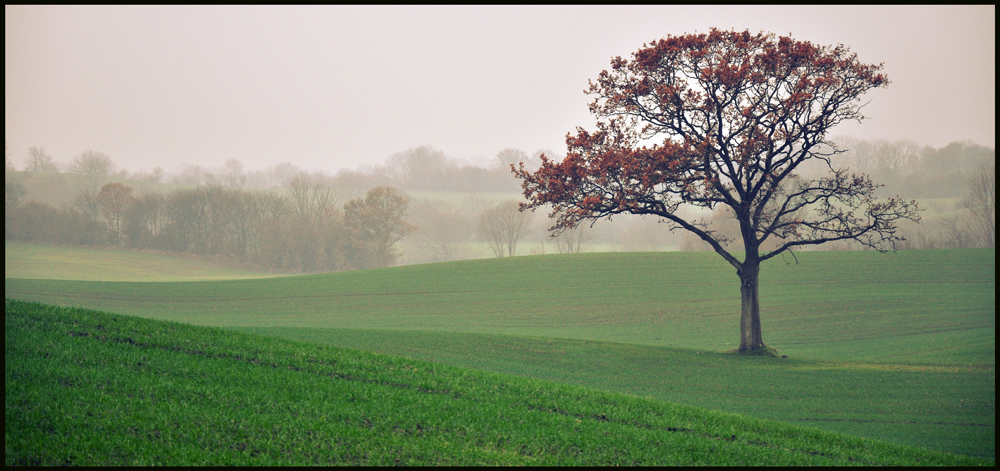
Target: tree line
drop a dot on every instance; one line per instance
(301, 230)
(912, 170)
(422, 168)
(284, 207)
(280, 218)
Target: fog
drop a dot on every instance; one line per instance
(334, 87)
(421, 206)
(304, 139)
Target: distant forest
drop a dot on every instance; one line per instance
(285, 219)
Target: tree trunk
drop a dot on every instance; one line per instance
(751, 339)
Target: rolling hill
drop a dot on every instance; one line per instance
(895, 346)
(90, 388)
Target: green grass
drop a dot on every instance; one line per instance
(35, 261)
(946, 408)
(893, 346)
(911, 306)
(89, 388)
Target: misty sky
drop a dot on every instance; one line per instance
(347, 86)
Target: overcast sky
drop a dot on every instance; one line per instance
(342, 87)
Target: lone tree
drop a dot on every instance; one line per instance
(737, 114)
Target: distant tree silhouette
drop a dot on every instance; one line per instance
(114, 199)
(39, 161)
(502, 226)
(94, 165)
(375, 224)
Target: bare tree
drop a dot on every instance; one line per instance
(190, 175)
(507, 157)
(281, 174)
(13, 190)
(443, 227)
(982, 204)
(8, 164)
(572, 240)
(85, 202)
(314, 222)
(420, 168)
(299, 192)
(114, 200)
(501, 226)
(39, 161)
(144, 220)
(976, 226)
(955, 233)
(310, 195)
(232, 173)
(152, 177)
(881, 158)
(96, 166)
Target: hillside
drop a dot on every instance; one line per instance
(896, 346)
(936, 306)
(36, 261)
(88, 388)
(944, 408)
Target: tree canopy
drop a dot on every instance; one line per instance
(724, 119)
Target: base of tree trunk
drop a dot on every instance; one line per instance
(763, 351)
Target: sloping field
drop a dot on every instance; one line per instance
(88, 388)
(944, 408)
(23, 260)
(911, 306)
(893, 346)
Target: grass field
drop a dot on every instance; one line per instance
(89, 388)
(896, 346)
(912, 306)
(946, 408)
(23, 260)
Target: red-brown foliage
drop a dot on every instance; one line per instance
(722, 118)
